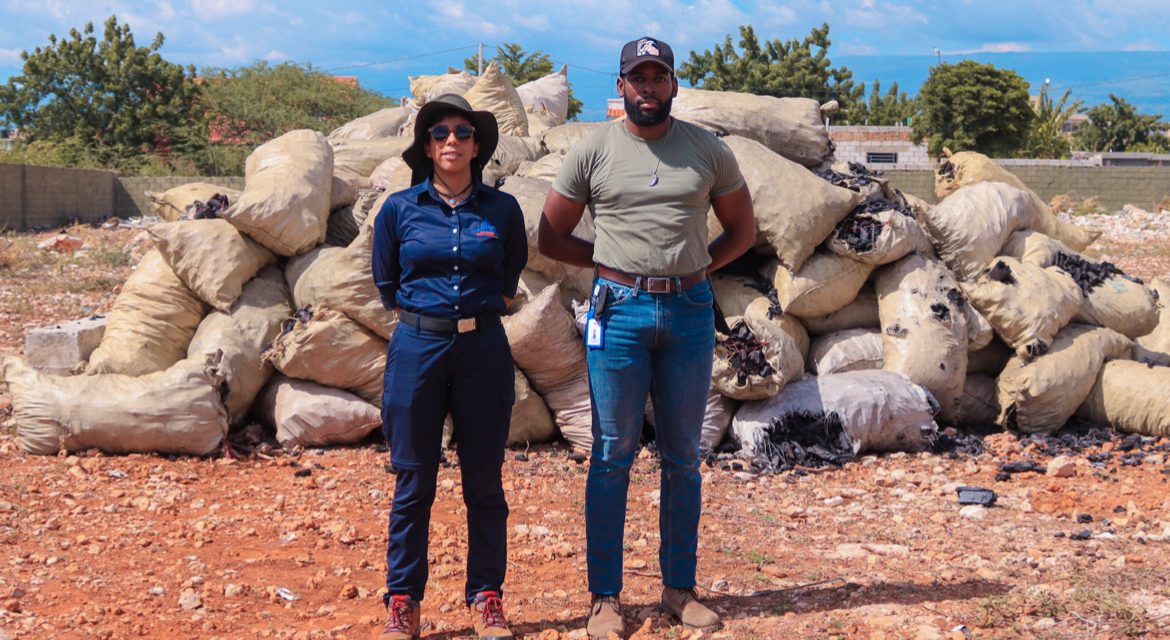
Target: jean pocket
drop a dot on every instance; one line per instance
(700, 295)
(618, 294)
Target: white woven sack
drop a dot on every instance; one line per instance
(380, 124)
(848, 350)
(924, 328)
(211, 257)
(969, 228)
(308, 414)
(1026, 304)
(493, 91)
(332, 350)
(1130, 397)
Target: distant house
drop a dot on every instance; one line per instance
(879, 147)
(7, 135)
(615, 108)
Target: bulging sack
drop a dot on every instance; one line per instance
(875, 410)
(342, 280)
(848, 350)
(308, 414)
(151, 324)
(795, 210)
(969, 228)
(531, 420)
(969, 167)
(792, 127)
(1155, 346)
(548, 349)
(1111, 298)
(241, 335)
(1041, 394)
(1130, 397)
(1027, 305)
(979, 406)
(561, 138)
(326, 347)
(924, 328)
(878, 233)
(379, 124)
(211, 257)
(755, 360)
(861, 313)
(288, 185)
(549, 92)
(825, 283)
(177, 411)
(493, 91)
(510, 153)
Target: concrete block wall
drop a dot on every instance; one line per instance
(1113, 186)
(130, 192)
(34, 197)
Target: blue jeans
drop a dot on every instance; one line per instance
(661, 344)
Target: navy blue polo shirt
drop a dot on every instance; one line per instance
(446, 262)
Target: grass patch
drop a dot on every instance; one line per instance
(1075, 205)
(1103, 608)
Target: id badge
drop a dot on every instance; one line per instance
(594, 325)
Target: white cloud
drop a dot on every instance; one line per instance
(164, 10)
(235, 53)
(535, 23)
(10, 57)
(1145, 45)
(216, 9)
(1004, 47)
(451, 9)
(276, 56)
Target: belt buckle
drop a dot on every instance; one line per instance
(464, 325)
(658, 284)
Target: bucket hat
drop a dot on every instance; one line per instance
(487, 134)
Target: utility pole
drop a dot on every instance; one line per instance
(480, 72)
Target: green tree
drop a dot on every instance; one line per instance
(972, 106)
(521, 67)
(793, 68)
(247, 106)
(107, 100)
(1119, 127)
(1047, 138)
(892, 108)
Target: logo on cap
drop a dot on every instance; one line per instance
(647, 47)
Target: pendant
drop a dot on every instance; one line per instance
(654, 179)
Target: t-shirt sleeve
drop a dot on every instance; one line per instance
(728, 177)
(572, 180)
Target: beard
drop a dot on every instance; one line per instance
(648, 118)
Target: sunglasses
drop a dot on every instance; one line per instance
(440, 132)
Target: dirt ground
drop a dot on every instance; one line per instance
(291, 545)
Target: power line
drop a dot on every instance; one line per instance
(421, 55)
(1104, 82)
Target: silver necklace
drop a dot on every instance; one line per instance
(654, 174)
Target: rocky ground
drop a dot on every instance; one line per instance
(290, 545)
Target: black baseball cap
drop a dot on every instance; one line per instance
(647, 49)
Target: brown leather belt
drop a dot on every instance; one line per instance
(653, 284)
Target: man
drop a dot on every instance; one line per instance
(649, 182)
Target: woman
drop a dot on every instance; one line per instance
(447, 256)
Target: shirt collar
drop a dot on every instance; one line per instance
(426, 189)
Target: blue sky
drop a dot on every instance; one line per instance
(895, 40)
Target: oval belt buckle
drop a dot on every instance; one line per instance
(464, 325)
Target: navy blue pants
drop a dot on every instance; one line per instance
(472, 376)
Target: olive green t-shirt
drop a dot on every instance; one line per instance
(658, 230)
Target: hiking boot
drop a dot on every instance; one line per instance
(684, 605)
(488, 616)
(404, 622)
(605, 617)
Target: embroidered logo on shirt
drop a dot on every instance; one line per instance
(485, 230)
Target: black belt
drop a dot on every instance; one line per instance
(653, 284)
(444, 325)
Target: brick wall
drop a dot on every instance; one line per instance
(52, 196)
(1114, 186)
(34, 197)
(130, 192)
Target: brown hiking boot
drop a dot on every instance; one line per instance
(404, 622)
(488, 616)
(684, 605)
(605, 617)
